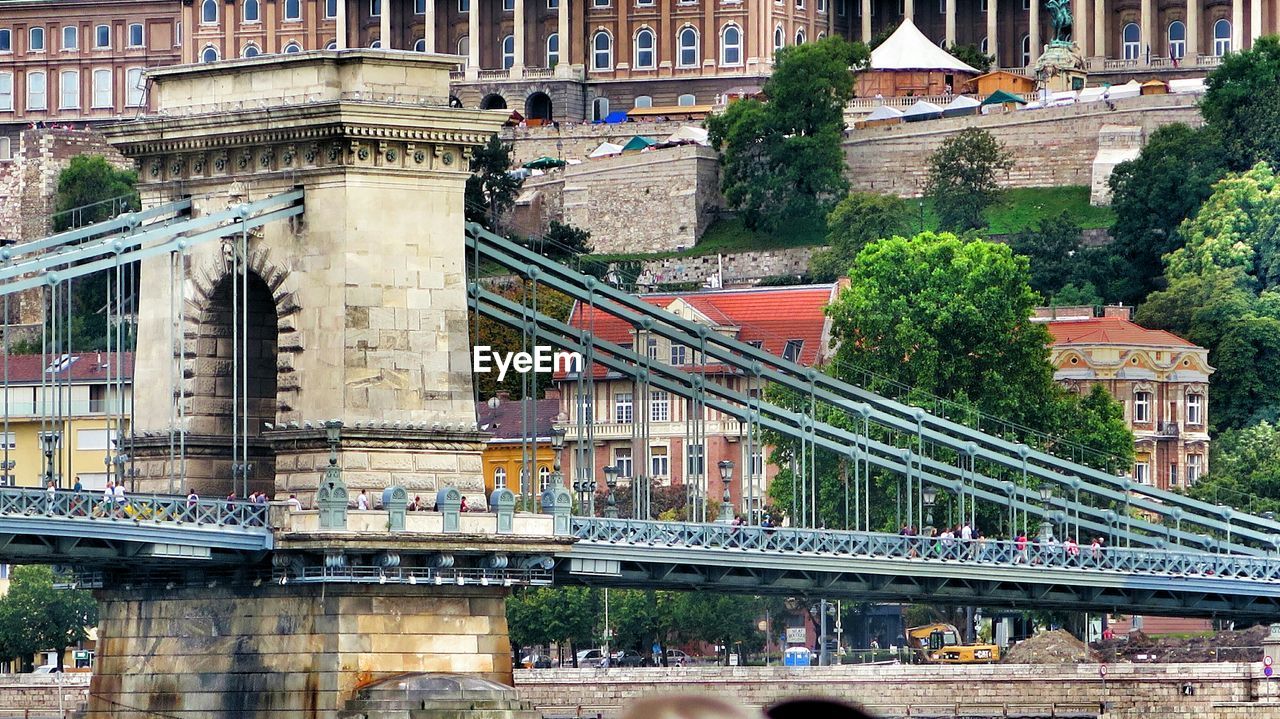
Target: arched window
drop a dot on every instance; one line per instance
(544, 478)
(731, 45)
(292, 9)
(688, 47)
(800, 36)
(599, 108)
(499, 477)
(1131, 41)
(508, 52)
(102, 37)
(464, 46)
(553, 49)
(602, 51)
(644, 49)
(36, 37)
(1177, 39)
(643, 101)
(420, 45)
(252, 11)
(1222, 37)
(1026, 50)
(103, 88)
(292, 48)
(210, 54)
(687, 100)
(375, 45)
(331, 45)
(250, 50)
(779, 38)
(135, 35)
(209, 11)
(70, 37)
(983, 44)
(821, 34)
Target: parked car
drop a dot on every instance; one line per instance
(589, 657)
(536, 661)
(46, 669)
(677, 658)
(630, 658)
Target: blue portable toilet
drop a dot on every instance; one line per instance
(797, 657)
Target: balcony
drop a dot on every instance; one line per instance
(76, 408)
(1168, 429)
(606, 431)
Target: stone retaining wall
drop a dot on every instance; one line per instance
(576, 140)
(18, 694)
(740, 268)
(890, 690)
(1050, 147)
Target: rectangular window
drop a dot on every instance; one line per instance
(508, 5)
(419, 7)
(135, 35)
(1193, 468)
(293, 10)
(6, 91)
(842, 7)
(1141, 407)
(177, 34)
(622, 407)
(1195, 409)
(677, 355)
(464, 6)
(695, 463)
(1142, 473)
(553, 4)
(757, 462)
(8, 440)
(134, 88)
(35, 37)
(7, 480)
(6, 150)
(94, 439)
(659, 406)
(659, 462)
(585, 409)
(102, 90)
(37, 91)
(330, 9)
(622, 461)
(375, 8)
(102, 37)
(822, 6)
(70, 37)
(68, 90)
(942, 7)
(1173, 475)
(6, 40)
(791, 352)
(653, 348)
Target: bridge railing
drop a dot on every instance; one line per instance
(874, 545)
(27, 502)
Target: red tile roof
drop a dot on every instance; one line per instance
(1111, 331)
(85, 367)
(505, 421)
(770, 315)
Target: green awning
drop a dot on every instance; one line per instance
(1000, 97)
(544, 163)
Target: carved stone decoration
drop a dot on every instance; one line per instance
(311, 153)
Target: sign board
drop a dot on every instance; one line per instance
(1266, 661)
(81, 654)
(733, 659)
(795, 635)
(1267, 671)
(1102, 671)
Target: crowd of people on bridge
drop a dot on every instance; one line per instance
(965, 542)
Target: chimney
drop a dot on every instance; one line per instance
(1118, 310)
(551, 393)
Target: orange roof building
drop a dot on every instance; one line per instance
(1161, 379)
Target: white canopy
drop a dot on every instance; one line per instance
(606, 149)
(691, 134)
(1189, 85)
(1120, 92)
(961, 102)
(922, 107)
(1091, 94)
(884, 112)
(908, 49)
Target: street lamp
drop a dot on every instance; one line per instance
(1046, 496)
(928, 496)
(611, 499)
(726, 505)
(585, 486)
(49, 442)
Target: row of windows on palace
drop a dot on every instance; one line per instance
(69, 89)
(659, 465)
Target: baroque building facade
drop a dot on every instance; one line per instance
(81, 60)
(1161, 380)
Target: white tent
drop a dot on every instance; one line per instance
(689, 133)
(1120, 92)
(922, 110)
(908, 49)
(961, 105)
(606, 149)
(1058, 99)
(1193, 85)
(884, 112)
(1091, 94)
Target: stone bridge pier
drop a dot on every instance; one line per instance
(354, 311)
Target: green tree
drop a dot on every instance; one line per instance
(1236, 228)
(88, 182)
(964, 178)
(503, 338)
(1096, 420)
(782, 161)
(563, 241)
(1242, 103)
(1152, 194)
(973, 56)
(1051, 248)
(1074, 295)
(857, 220)
(543, 615)
(1244, 469)
(492, 189)
(34, 616)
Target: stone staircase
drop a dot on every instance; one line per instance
(437, 696)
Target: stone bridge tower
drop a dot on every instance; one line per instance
(354, 311)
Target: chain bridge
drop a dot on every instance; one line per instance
(306, 278)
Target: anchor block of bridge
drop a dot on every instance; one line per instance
(354, 310)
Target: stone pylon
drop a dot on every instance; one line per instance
(354, 311)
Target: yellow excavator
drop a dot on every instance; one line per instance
(940, 644)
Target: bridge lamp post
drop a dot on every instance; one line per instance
(49, 442)
(1046, 496)
(726, 504)
(928, 496)
(557, 446)
(611, 499)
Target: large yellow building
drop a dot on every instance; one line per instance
(72, 407)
